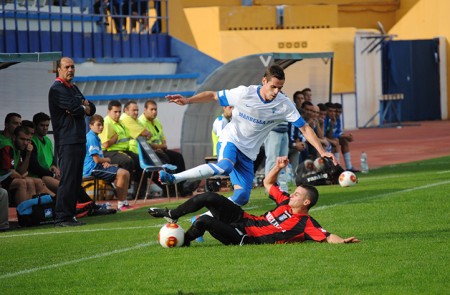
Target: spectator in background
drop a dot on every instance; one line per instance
(218, 125)
(276, 145)
(158, 143)
(158, 139)
(42, 161)
(338, 139)
(68, 107)
(129, 119)
(115, 139)
(299, 99)
(297, 145)
(15, 158)
(97, 165)
(137, 8)
(12, 121)
(308, 94)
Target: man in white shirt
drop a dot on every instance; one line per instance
(257, 109)
(218, 126)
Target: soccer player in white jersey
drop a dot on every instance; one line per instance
(257, 109)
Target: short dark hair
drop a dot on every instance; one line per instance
(28, 123)
(337, 106)
(95, 118)
(306, 103)
(40, 117)
(128, 103)
(330, 105)
(311, 193)
(23, 129)
(322, 106)
(11, 115)
(114, 103)
(150, 101)
(296, 93)
(306, 89)
(274, 71)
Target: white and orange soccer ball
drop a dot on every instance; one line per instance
(347, 178)
(171, 235)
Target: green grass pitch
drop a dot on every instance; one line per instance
(400, 213)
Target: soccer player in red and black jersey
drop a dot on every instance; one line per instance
(289, 222)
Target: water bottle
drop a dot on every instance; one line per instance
(364, 164)
(289, 174)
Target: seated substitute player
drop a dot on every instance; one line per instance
(258, 109)
(97, 165)
(289, 222)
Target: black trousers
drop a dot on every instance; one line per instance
(70, 162)
(126, 160)
(175, 158)
(225, 225)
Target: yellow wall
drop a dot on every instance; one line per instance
(339, 41)
(425, 19)
(208, 28)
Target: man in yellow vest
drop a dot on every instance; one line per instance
(129, 119)
(158, 142)
(115, 140)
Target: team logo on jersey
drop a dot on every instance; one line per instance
(274, 110)
(283, 217)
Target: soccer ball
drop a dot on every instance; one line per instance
(347, 178)
(171, 235)
(319, 164)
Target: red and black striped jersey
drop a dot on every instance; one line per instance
(280, 225)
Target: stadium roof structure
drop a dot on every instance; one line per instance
(249, 70)
(9, 59)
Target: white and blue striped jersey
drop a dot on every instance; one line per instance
(253, 117)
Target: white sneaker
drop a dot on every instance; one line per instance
(123, 205)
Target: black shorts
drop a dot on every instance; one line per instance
(6, 182)
(108, 174)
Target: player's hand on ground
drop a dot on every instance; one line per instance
(351, 240)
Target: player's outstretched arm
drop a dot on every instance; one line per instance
(311, 137)
(335, 239)
(205, 96)
(272, 176)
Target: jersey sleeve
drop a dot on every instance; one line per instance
(231, 97)
(280, 197)
(107, 133)
(133, 126)
(314, 232)
(92, 147)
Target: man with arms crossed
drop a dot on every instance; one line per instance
(68, 107)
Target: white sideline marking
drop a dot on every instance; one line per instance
(35, 269)
(78, 231)
(443, 172)
(382, 195)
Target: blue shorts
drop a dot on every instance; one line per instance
(108, 174)
(242, 173)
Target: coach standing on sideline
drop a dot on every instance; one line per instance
(68, 107)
